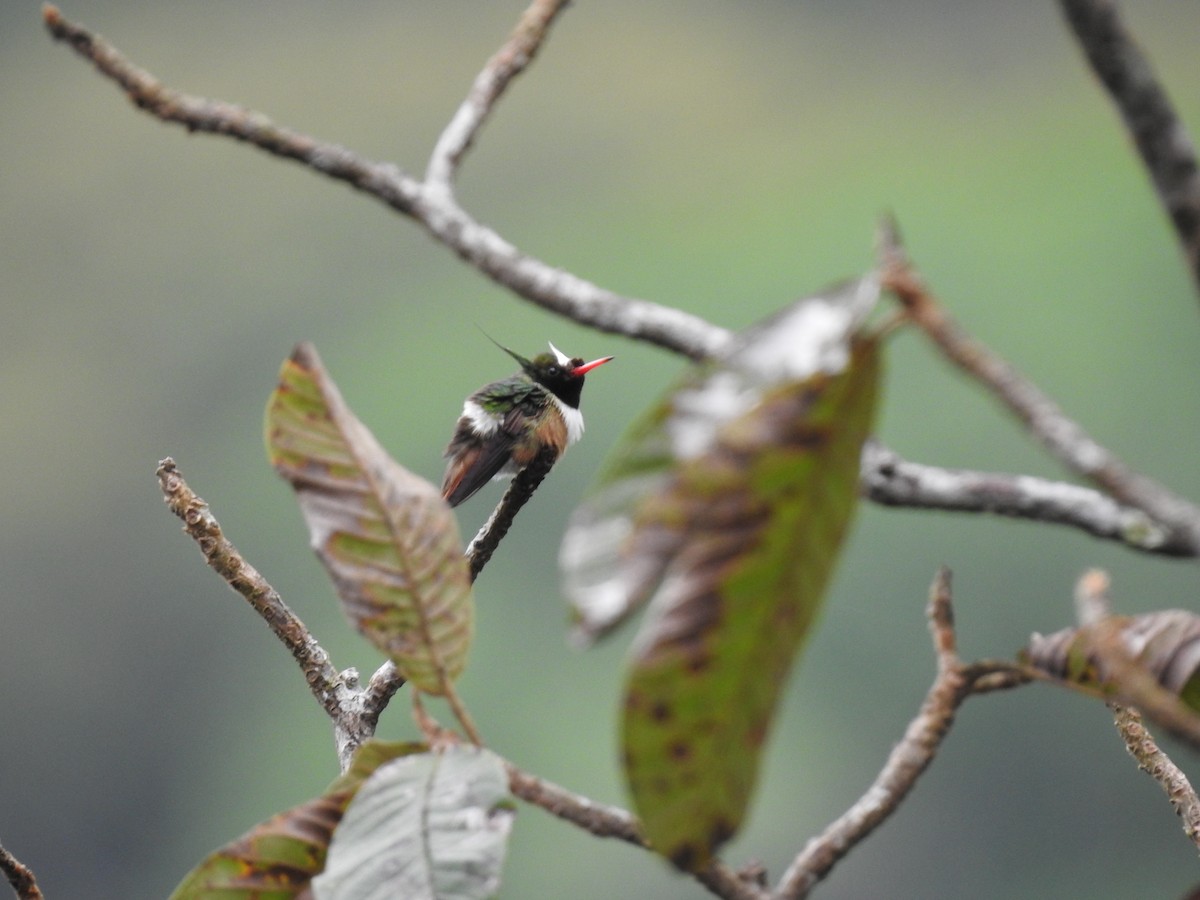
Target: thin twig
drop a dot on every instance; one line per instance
(909, 759)
(338, 693)
(1155, 763)
(433, 207)
(20, 876)
(505, 65)
(597, 818)
(519, 492)
(1061, 435)
(1163, 143)
(613, 822)
(889, 480)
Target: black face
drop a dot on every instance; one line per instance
(559, 380)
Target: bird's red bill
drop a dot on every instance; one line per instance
(587, 367)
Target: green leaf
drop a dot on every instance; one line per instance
(1165, 643)
(386, 537)
(427, 827)
(277, 859)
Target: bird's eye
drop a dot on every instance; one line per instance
(554, 370)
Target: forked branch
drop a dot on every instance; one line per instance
(1058, 433)
(911, 757)
(354, 712)
(431, 204)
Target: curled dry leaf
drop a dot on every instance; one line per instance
(1165, 643)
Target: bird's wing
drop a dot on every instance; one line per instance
(469, 472)
(471, 469)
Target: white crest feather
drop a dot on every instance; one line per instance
(563, 359)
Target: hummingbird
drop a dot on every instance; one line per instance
(505, 424)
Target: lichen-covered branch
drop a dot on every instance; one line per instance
(338, 693)
(889, 480)
(1160, 137)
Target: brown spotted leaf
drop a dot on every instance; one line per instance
(1166, 644)
(279, 858)
(386, 537)
(611, 564)
(759, 521)
(725, 508)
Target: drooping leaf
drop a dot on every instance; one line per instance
(611, 566)
(277, 859)
(386, 537)
(763, 515)
(1165, 643)
(726, 508)
(427, 827)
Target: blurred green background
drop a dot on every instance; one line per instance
(721, 157)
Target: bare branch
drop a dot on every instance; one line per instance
(890, 480)
(613, 822)
(1060, 435)
(20, 876)
(508, 62)
(224, 558)
(1164, 144)
(910, 758)
(1155, 763)
(598, 818)
(551, 288)
(146, 92)
(433, 207)
(338, 693)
